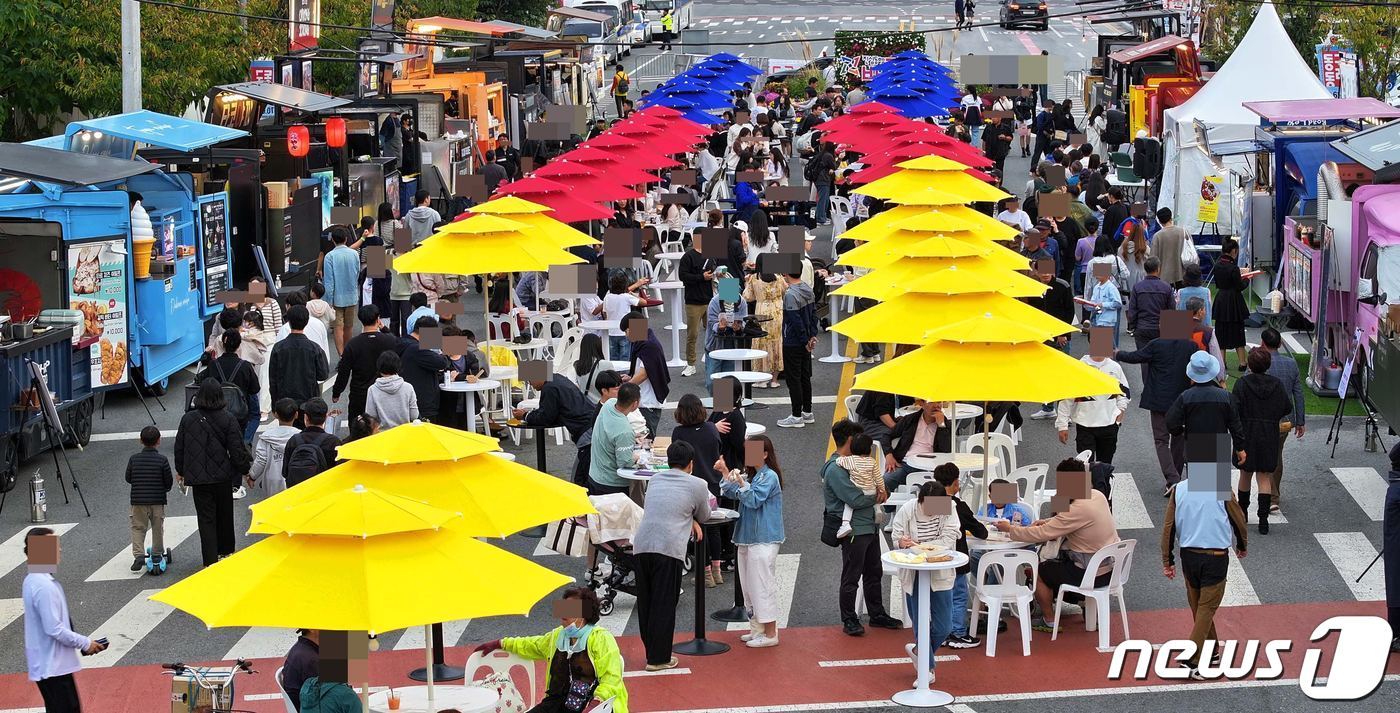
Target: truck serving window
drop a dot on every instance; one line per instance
(1385, 270)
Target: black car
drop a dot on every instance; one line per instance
(1024, 12)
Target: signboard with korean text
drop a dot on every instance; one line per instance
(97, 277)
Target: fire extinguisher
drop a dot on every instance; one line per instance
(38, 500)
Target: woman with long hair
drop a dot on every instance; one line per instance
(1134, 250)
(1230, 310)
(400, 284)
(765, 290)
(211, 458)
(1094, 127)
(1263, 405)
(587, 365)
(757, 536)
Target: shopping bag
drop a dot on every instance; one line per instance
(566, 537)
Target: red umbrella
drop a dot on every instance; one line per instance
(658, 139)
(675, 118)
(566, 205)
(634, 153)
(587, 183)
(887, 162)
(861, 114)
(610, 165)
(873, 128)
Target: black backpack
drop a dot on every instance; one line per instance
(235, 400)
(305, 461)
(812, 171)
(972, 115)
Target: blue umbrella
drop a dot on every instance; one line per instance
(687, 109)
(699, 100)
(909, 102)
(735, 63)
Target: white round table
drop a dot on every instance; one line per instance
(677, 325)
(503, 455)
(746, 377)
(737, 354)
(752, 429)
(635, 474)
(533, 345)
(470, 389)
(709, 403)
(991, 545)
(672, 262)
(922, 695)
(414, 699)
(833, 305)
(605, 326)
(961, 412)
(966, 462)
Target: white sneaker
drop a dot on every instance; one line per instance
(807, 417)
(791, 422)
(689, 370)
(913, 651)
(761, 642)
(240, 492)
(860, 360)
(1043, 414)
(755, 631)
(845, 530)
(875, 359)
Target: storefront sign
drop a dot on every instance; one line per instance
(213, 241)
(1336, 67)
(381, 16)
(1209, 209)
(304, 30)
(262, 70)
(97, 275)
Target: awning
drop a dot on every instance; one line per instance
(526, 30)
(66, 167)
(1375, 148)
(1235, 148)
(1147, 49)
(281, 95)
(155, 129)
(1322, 109)
(392, 58)
(578, 14)
(425, 25)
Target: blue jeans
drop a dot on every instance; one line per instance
(976, 133)
(823, 202)
(619, 348)
(250, 428)
(959, 612)
(896, 477)
(940, 623)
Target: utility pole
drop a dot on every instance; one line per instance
(131, 55)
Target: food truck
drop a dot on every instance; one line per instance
(130, 311)
(475, 94)
(1341, 268)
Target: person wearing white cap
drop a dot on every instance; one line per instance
(1204, 413)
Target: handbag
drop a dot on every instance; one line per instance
(831, 523)
(579, 695)
(1052, 550)
(1189, 256)
(1285, 426)
(566, 537)
(510, 700)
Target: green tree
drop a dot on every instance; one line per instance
(1372, 32)
(1228, 20)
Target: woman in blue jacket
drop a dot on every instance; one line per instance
(759, 490)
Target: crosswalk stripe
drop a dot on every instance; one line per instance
(261, 642)
(127, 627)
(1239, 592)
(177, 530)
(786, 576)
(1251, 513)
(623, 604)
(1129, 512)
(10, 610)
(12, 550)
(1350, 553)
(413, 638)
(1367, 488)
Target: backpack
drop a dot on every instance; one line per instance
(305, 461)
(235, 401)
(972, 115)
(812, 171)
(623, 85)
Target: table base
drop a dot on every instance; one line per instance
(732, 614)
(834, 359)
(441, 672)
(922, 698)
(704, 647)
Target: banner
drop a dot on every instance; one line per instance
(261, 70)
(381, 17)
(1336, 67)
(97, 273)
(304, 30)
(1209, 209)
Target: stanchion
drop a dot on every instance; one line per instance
(700, 646)
(738, 612)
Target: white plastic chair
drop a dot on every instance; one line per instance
(1098, 607)
(504, 662)
(1005, 591)
(1002, 448)
(604, 707)
(1030, 482)
(852, 401)
(549, 327)
(504, 326)
(841, 214)
(566, 349)
(917, 479)
(286, 699)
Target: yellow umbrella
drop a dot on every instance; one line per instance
(496, 497)
(482, 225)
(418, 442)
(933, 162)
(459, 254)
(356, 512)
(946, 246)
(911, 318)
(914, 275)
(951, 371)
(374, 584)
(533, 216)
(993, 329)
(880, 224)
(980, 223)
(953, 182)
(925, 196)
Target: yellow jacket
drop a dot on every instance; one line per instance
(602, 651)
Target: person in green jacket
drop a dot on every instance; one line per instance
(344, 661)
(581, 655)
(860, 551)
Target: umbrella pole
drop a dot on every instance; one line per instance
(364, 696)
(986, 453)
(428, 637)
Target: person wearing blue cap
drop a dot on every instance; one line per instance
(1204, 413)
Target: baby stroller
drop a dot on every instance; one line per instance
(610, 534)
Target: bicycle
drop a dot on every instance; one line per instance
(220, 691)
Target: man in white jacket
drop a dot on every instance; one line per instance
(271, 446)
(1096, 418)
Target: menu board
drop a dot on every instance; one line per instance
(213, 240)
(97, 276)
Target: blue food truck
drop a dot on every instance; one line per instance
(94, 309)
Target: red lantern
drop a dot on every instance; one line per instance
(335, 132)
(298, 140)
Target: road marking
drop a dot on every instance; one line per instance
(1350, 553)
(1239, 592)
(786, 582)
(643, 673)
(412, 637)
(262, 642)
(126, 436)
(1129, 512)
(852, 663)
(12, 550)
(616, 622)
(133, 622)
(10, 610)
(960, 708)
(983, 30)
(1367, 488)
(177, 530)
(1057, 32)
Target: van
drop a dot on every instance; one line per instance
(632, 29)
(602, 37)
(654, 9)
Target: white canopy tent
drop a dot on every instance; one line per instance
(1264, 66)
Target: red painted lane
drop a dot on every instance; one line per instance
(792, 671)
(1027, 42)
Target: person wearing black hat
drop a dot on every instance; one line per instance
(1390, 530)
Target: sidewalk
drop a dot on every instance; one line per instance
(812, 666)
